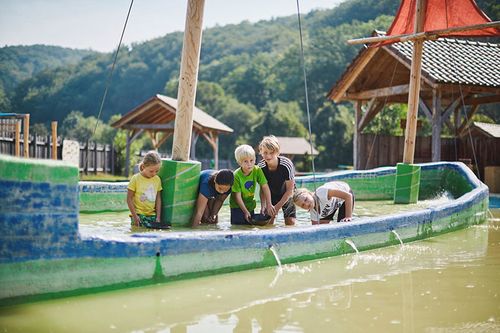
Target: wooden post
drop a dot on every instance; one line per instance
(437, 124)
(407, 182)
(188, 80)
(414, 90)
(54, 140)
(18, 138)
(194, 137)
(127, 154)
(26, 134)
(355, 142)
(216, 152)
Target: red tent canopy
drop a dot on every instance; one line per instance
(440, 14)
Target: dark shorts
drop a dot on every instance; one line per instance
(288, 208)
(149, 221)
(341, 214)
(238, 218)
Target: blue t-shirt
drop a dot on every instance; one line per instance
(206, 187)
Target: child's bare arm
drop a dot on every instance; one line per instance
(289, 184)
(269, 205)
(201, 204)
(241, 204)
(131, 206)
(347, 197)
(158, 206)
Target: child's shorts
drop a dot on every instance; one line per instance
(149, 221)
(238, 218)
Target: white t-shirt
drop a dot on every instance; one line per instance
(328, 206)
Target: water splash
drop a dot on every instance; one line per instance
(397, 236)
(279, 271)
(350, 242)
(275, 254)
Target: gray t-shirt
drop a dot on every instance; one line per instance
(328, 206)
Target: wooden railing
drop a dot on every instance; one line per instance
(94, 157)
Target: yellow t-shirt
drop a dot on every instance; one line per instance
(145, 193)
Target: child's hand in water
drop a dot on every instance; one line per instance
(137, 221)
(346, 219)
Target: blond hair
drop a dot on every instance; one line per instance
(242, 152)
(151, 158)
(270, 143)
(298, 193)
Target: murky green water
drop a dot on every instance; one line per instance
(116, 224)
(448, 283)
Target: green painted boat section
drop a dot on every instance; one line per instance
(37, 170)
(103, 202)
(407, 183)
(180, 181)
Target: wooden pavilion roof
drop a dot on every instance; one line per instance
(455, 67)
(158, 114)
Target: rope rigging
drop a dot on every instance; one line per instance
(302, 61)
(110, 76)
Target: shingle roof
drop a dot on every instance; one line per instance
(161, 109)
(295, 146)
(199, 116)
(492, 130)
(457, 61)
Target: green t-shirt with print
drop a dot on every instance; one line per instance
(246, 185)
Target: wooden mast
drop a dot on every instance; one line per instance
(188, 80)
(414, 90)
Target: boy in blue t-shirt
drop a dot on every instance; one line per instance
(214, 188)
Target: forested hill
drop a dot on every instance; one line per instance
(250, 76)
(18, 63)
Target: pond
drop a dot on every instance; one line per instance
(116, 224)
(446, 283)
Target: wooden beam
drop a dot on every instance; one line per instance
(437, 125)
(164, 137)
(355, 142)
(351, 74)
(373, 108)
(152, 136)
(451, 107)
(18, 138)
(188, 80)
(466, 122)
(54, 140)
(26, 135)
(471, 100)
(381, 92)
(168, 126)
(433, 34)
(210, 137)
(427, 111)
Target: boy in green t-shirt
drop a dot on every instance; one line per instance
(246, 177)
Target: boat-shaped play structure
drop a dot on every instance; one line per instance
(43, 255)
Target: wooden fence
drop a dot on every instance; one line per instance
(385, 150)
(94, 157)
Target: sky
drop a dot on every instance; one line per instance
(97, 24)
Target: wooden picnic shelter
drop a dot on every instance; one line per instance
(156, 118)
(458, 76)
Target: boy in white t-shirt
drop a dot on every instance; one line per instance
(325, 202)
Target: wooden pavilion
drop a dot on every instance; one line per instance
(156, 118)
(455, 74)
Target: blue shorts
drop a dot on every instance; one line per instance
(238, 218)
